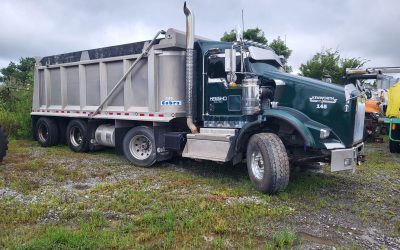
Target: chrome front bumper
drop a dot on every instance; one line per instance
(347, 158)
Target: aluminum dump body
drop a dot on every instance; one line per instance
(75, 84)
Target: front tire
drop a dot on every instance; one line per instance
(267, 163)
(139, 146)
(46, 132)
(78, 138)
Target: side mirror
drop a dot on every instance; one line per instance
(230, 60)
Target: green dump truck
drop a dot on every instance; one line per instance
(182, 95)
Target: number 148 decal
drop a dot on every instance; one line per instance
(322, 106)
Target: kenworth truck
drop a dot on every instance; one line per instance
(201, 99)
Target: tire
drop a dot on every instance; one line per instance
(3, 143)
(394, 147)
(46, 131)
(78, 138)
(267, 149)
(139, 146)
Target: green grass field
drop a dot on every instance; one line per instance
(52, 198)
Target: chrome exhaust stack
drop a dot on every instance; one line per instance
(189, 66)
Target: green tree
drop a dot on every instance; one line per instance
(19, 75)
(280, 48)
(329, 63)
(257, 35)
(16, 97)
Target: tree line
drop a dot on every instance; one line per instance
(326, 63)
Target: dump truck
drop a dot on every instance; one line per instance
(181, 95)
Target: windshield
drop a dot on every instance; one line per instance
(260, 67)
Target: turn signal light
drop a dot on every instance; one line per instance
(324, 133)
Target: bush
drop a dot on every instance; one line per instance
(17, 121)
(16, 98)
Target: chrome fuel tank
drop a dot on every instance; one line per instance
(250, 96)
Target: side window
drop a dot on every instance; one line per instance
(216, 68)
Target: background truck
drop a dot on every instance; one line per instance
(379, 102)
(201, 99)
(393, 118)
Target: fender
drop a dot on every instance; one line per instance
(299, 121)
(306, 127)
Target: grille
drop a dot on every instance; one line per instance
(359, 120)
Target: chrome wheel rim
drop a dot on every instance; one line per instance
(257, 164)
(76, 136)
(43, 133)
(140, 147)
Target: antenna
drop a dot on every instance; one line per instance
(242, 23)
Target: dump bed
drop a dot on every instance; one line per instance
(74, 84)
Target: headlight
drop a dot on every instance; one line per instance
(324, 133)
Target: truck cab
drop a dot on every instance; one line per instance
(311, 117)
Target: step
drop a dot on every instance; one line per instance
(210, 144)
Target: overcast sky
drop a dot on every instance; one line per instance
(357, 28)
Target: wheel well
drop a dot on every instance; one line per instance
(289, 135)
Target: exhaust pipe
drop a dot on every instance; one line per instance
(189, 67)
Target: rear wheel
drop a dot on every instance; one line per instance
(46, 132)
(267, 163)
(3, 143)
(77, 136)
(139, 146)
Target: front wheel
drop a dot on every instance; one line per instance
(267, 163)
(139, 146)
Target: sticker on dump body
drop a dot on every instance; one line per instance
(171, 102)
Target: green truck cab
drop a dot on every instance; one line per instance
(315, 121)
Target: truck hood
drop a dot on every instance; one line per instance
(322, 102)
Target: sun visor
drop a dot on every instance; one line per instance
(260, 54)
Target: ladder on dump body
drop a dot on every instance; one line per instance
(144, 53)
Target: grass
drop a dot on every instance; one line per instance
(98, 201)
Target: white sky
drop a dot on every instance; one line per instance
(366, 29)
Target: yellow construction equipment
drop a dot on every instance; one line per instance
(393, 108)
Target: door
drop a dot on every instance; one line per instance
(221, 97)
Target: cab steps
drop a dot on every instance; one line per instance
(214, 144)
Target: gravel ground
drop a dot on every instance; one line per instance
(325, 210)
